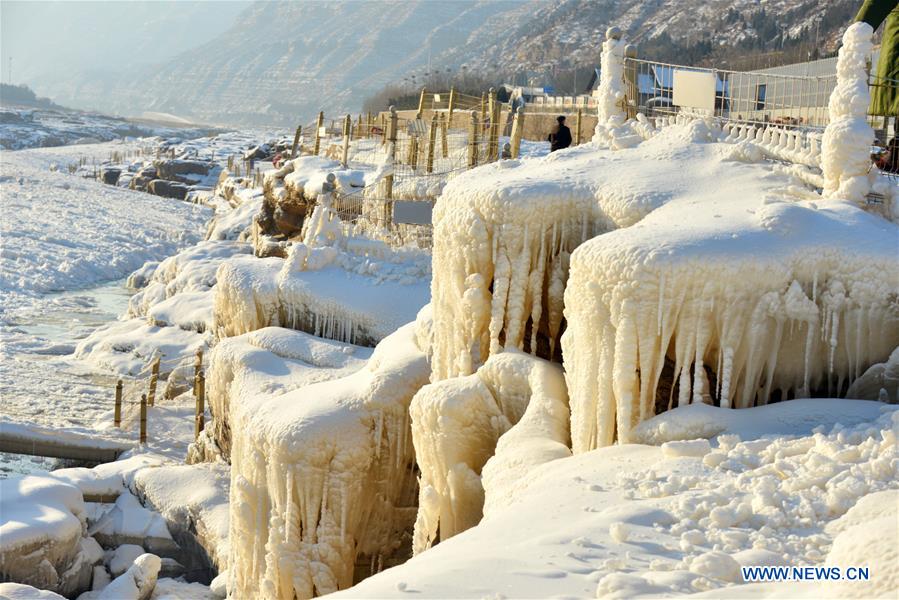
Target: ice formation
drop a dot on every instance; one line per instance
(610, 92)
(755, 297)
(500, 261)
(357, 294)
(800, 482)
(324, 475)
(845, 150)
(270, 361)
(455, 427)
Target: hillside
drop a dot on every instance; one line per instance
(282, 62)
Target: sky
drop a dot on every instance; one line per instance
(48, 40)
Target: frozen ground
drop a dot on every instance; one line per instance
(67, 244)
(792, 483)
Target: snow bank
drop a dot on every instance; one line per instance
(733, 294)
(625, 522)
(455, 427)
(324, 475)
(43, 535)
(351, 295)
(193, 500)
(846, 149)
(270, 362)
(18, 591)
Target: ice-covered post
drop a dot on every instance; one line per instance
(494, 126)
(117, 414)
(432, 141)
(318, 133)
(391, 152)
(473, 141)
(200, 420)
(611, 81)
(154, 378)
(347, 126)
(421, 102)
(517, 131)
(452, 105)
(845, 149)
(444, 141)
(143, 418)
(198, 366)
(577, 131)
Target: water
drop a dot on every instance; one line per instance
(40, 382)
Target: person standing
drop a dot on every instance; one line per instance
(560, 136)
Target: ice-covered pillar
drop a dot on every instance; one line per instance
(846, 147)
(611, 81)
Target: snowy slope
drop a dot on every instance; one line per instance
(647, 521)
(56, 228)
(59, 232)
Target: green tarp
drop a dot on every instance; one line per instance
(885, 94)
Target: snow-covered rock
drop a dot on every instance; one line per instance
(322, 475)
(269, 362)
(43, 535)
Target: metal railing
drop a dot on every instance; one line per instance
(750, 97)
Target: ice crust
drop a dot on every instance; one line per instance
(324, 474)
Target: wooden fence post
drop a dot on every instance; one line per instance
(117, 415)
(483, 108)
(318, 131)
(383, 129)
(296, 142)
(198, 366)
(200, 420)
(421, 102)
(493, 131)
(432, 140)
(391, 137)
(577, 135)
(347, 127)
(444, 142)
(412, 158)
(517, 131)
(473, 141)
(143, 418)
(452, 105)
(154, 377)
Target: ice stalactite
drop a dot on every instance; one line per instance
(708, 321)
(500, 262)
(455, 427)
(323, 475)
(846, 147)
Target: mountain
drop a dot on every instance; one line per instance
(281, 62)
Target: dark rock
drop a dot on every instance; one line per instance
(168, 189)
(110, 176)
(176, 169)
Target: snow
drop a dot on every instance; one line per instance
(43, 538)
(354, 297)
(136, 583)
(59, 231)
(18, 591)
(625, 521)
(323, 475)
(191, 498)
(269, 362)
